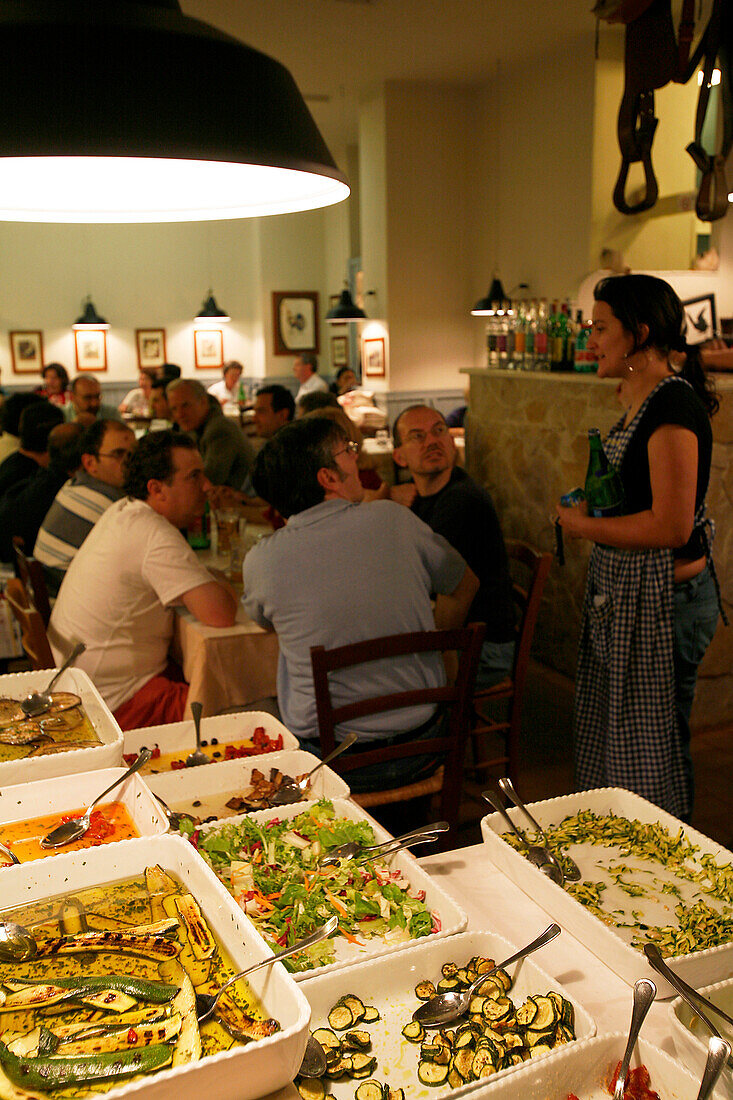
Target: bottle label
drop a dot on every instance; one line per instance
(540, 343)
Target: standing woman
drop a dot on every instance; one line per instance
(651, 603)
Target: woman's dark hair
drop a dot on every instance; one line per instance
(637, 300)
(286, 469)
(153, 458)
(36, 422)
(61, 372)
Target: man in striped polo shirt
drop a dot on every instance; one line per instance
(105, 449)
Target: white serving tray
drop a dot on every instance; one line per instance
(181, 737)
(213, 787)
(450, 915)
(581, 1069)
(106, 755)
(76, 792)
(691, 1045)
(389, 985)
(243, 1073)
(605, 942)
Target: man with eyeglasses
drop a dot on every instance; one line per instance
(341, 571)
(105, 448)
(454, 506)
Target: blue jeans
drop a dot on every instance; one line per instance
(494, 663)
(695, 619)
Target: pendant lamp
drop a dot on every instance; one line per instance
(210, 311)
(89, 317)
(131, 111)
(494, 300)
(345, 310)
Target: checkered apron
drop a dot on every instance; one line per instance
(626, 732)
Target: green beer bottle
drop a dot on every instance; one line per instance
(604, 491)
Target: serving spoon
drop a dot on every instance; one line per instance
(314, 1060)
(687, 992)
(292, 790)
(540, 857)
(4, 850)
(718, 1055)
(446, 1007)
(426, 834)
(207, 1002)
(69, 831)
(571, 871)
(644, 993)
(38, 702)
(16, 943)
(194, 759)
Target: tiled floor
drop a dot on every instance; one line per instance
(546, 768)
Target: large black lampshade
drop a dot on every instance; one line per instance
(486, 307)
(130, 111)
(345, 310)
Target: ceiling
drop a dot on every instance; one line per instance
(341, 51)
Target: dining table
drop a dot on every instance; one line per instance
(493, 903)
(226, 666)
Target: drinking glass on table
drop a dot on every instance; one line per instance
(227, 526)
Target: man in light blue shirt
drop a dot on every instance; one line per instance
(341, 572)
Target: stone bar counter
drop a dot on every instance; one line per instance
(527, 442)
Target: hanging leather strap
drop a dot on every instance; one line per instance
(636, 127)
(712, 197)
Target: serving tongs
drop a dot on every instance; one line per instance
(570, 869)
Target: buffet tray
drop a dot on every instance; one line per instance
(67, 792)
(226, 728)
(580, 1069)
(451, 917)
(106, 755)
(243, 1073)
(181, 788)
(388, 984)
(607, 943)
(690, 1036)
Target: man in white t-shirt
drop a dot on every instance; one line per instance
(120, 590)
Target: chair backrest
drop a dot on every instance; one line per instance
(32, 627)
(528, 600)
(30, 572)
(456, 697)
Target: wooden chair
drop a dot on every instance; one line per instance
(30, 573)
(32, 626)
(447, 780)
(511, 689)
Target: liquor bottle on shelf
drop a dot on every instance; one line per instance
(492, 338)
(530, 334)
(604, 491)
(574, 327)
(555, 337)
(541, 356)
(501, 335)
(510, 318)
(520, 333)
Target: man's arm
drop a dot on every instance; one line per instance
(451, 610)
(211, 603)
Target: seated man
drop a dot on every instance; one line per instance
(274, 406)
(340, 573)
(10, 413)
(450, 502)
(227, 453)
(120, 590)
(318, 399)
(86, 404)
(226, 390)
(35, 424)
(24, 506)
(305, 369)
(105, 448)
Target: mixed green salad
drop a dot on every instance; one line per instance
(271, 868)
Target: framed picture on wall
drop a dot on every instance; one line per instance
(340, 351)
(701, 319)
(373, 357)
(91, 348)
(294, 321)
(208, 346)
(150, 347)
(26, 351)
